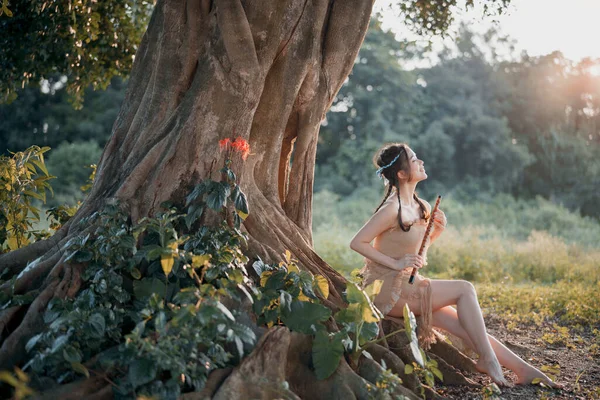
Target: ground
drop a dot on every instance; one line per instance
(573, 355)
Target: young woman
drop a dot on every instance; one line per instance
(396, 230)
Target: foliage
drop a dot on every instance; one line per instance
(42, 115)
(221, 195)
(19, 381)
(151, 296)
(289, 297)
(139, 314)
(90, 42)
(71, 163)
(23, 179)
(483, 126)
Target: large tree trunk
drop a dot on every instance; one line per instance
(208, 70)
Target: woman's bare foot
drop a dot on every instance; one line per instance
(493, 369)
(526, 377)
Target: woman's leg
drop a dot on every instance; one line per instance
(462, 293)
(446, 318)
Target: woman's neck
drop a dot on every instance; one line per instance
(407, 193)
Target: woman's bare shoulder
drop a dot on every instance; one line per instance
(427, 205)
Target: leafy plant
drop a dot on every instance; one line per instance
(424, 367)
(23, 179)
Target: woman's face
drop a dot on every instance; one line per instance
(416, 167)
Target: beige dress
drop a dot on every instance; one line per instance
(396, 243)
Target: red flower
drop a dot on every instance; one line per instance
(242, 146)
(239, 144)
(223, 143)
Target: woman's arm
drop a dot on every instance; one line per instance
(383, 220)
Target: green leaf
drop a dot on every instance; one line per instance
(305, 317)
(141, 371)
(34, 195)
(408, 369)
(160, 321)
(32, 342)
(97, 324)
(198, 191)
(276, 280)
(368, 332)
(41, 166)
(78, 367)
(437, 373)
(352, 313)
(217, 196)
(135, 273)
(241, 203)
(327, 352)
(355, 295)
(152, 251)
(194, 212)
(410, 325)
(225, 311)
(145, 287)
(59, 342)
(71, 354)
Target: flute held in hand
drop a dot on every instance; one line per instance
(425, 237)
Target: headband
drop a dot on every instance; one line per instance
(379, 172)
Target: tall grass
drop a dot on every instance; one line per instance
(503, 241)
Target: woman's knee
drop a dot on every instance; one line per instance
(467, 288)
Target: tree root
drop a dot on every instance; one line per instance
(6, 317)
(372, 371)
(94, 387)
(453, 356)
(32, 276)
(393, 362)
(259, 376)
(451, 376)
(16, 260)
(214, 381)
(13, 351)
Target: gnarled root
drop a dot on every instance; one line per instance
(13, 351)
(95, 387)
(372, 371)
(260, 375)
(453, 357)
(393, 362)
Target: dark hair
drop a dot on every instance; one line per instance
(385, 156)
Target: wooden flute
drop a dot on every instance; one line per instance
(425, 237)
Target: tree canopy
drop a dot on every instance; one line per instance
(93, 41)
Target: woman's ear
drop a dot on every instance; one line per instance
(401, 175)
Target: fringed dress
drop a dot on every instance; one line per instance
(396, 243)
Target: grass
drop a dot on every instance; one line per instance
(530, 260)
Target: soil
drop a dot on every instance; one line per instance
(525, 341)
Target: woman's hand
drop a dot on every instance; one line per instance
(439, 220)
(411, 261)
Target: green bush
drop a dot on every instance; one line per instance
(68, 163)
(502, 240)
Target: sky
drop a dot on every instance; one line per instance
(538, 26)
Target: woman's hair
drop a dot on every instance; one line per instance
(394, 158)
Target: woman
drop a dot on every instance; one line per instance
(396, 230)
